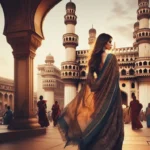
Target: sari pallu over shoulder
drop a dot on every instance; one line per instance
(96, 115)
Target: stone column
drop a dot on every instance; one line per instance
(24, 45)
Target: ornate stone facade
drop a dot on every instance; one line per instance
(50, 84)
(134, 62)
(6, 94)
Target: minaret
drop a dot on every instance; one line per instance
(142, 64)
(49, 81)
(92, 37)
(70, 68)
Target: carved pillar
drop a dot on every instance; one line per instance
(24, 45)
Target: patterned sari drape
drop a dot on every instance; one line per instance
(94, 119)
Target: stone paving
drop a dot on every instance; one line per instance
(134, 140)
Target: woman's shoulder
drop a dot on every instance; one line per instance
(112, 55)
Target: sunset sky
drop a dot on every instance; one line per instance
(115, 17)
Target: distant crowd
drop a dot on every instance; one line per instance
(134, 114)
(6, 116)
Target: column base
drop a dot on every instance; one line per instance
(18, 124)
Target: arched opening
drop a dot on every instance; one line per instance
(7, 60)
(145, 70)
(124, 98)
(83, 74)
(140, 63)
(5, 99)
(144, 63)
(131, 72)
(132, 85)
(123, 72)
(69, 67)
(140, 71)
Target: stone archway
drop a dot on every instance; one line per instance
(23, 31)
(124, 98)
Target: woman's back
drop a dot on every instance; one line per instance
(103, 58)
(94, 117)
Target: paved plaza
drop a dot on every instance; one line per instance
(134, 140)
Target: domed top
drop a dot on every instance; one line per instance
(92, 30)
(49, 58)
(70, 5)
(140, 1)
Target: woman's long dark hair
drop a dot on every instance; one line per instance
(95, 59)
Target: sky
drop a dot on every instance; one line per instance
(114, 17)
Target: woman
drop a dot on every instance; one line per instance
(135, 108)
(147, 114)
(8, 116)
(43, 120)
(55, 113)
(94, 118)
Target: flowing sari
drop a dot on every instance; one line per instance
(93, 119)
(55, 113)
(43, 119)
(135, 112)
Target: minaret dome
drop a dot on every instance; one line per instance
(49, 59)
(92, 30)
(70, 5)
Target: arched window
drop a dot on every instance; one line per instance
(140, 71)
(131, 72)
(140, 63)
(145, 70)
(132, 85)
(143, 34)
(123, 72)
(83, 74)
(145, 63)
